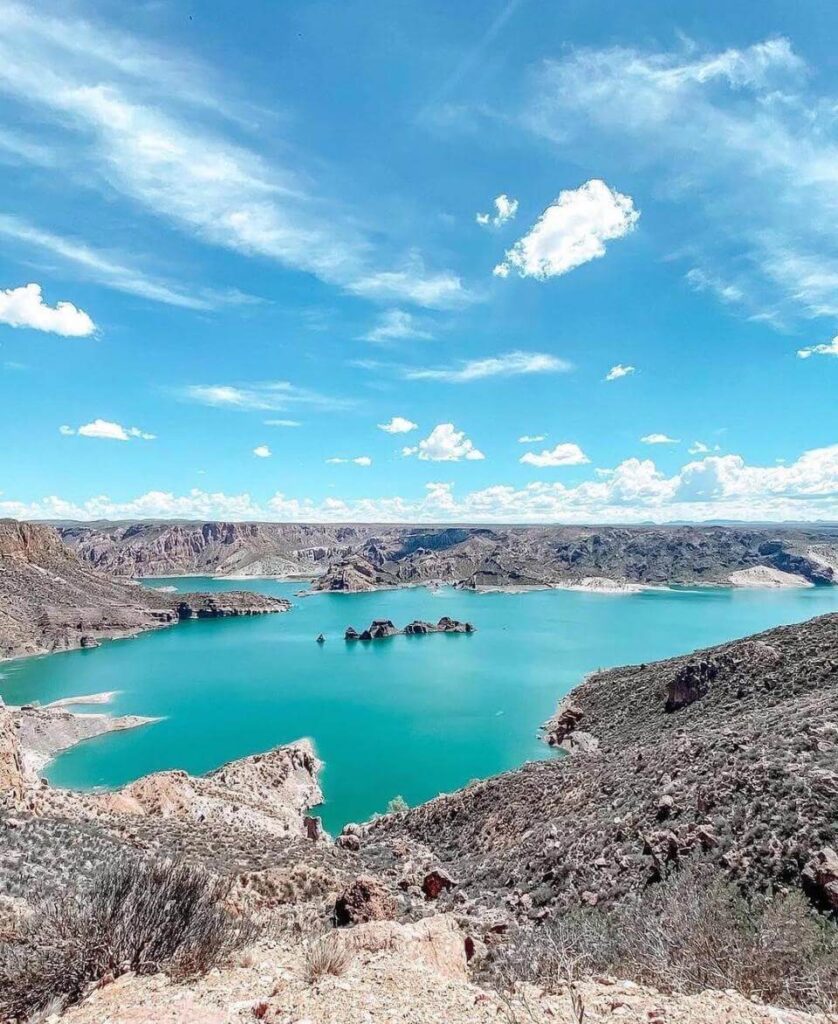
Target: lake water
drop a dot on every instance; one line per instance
(413, 716)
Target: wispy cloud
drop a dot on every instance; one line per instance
(618, 371)
(511, 364)
(260, 396)
(25, 307)
(359, 460)
(106, 269)
(739, 139)
(531, 438)
(149, 125)
(396, 325)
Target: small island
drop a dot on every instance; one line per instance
(378, 629)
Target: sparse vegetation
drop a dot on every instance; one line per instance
(398, 805)
(135, 915)
(691, 932)
(326, 955)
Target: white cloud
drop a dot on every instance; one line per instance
(412, 283)
(531, 438)
(700, 448)
(361, 460)
(263, 395)
(718, 487)
(571, 232)
(659, 439)
(509, 365)
(396, 325)
(398, 425)
(153, 129)
(830, 348)
(741, 143)
(262, 451)
(445, 444)
(562, 455)
(25, 307)
(110, 271)
(506, 209)
(282, 423)
(106, 430)
(619, 371)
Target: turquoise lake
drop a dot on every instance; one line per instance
(413, 716)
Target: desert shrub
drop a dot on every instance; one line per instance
(690, 932)
(326, 955)
(398, 805)
(135, 915)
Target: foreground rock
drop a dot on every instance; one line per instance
(730, 753)
(51, 601)
(380, 629)
(351, 558)
(414, 974)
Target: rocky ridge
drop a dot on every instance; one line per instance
(52, 601)
(351, 558)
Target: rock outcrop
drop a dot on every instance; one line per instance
(380, 629)
(52, 601)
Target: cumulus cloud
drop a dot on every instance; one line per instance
(396, 325)
(634, 491)
(445, 444)
(562, 455)
(571, 232)
(262, 451)
(505, 208)
(659, 439)
(511, 364)
(361, 460)
(106, 430)
(25, 307)
(619, 371)
(830, 348)
(531, 438)
(398, 425)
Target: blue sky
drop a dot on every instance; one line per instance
(509, 261)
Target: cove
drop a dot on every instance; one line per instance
(413, 716)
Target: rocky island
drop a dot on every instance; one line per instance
(379, 629)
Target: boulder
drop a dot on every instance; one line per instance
(366, 899)
(351, 634)
(820, 878)
(418, 627)
(436, 882)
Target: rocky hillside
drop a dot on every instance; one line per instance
(50, 600)
(367, 557)
(730, 753)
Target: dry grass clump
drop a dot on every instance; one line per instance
(326, 955)
(135, 915)
(691, 932)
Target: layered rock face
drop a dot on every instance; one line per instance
(52, 601)
(347, 558)
(731, 753)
